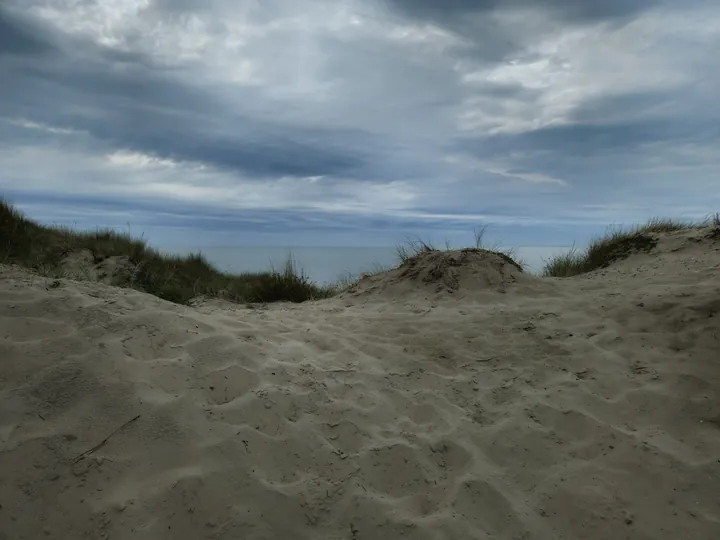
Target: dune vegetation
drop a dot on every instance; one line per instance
(619, 243)
(119, 259)
(45, 250)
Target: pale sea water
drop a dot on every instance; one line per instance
(325, 265)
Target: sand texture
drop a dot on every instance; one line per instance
(456, 399)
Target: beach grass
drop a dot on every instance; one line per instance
(414, 246)
(616, 244)
(45, 250)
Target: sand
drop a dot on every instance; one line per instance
(456, 400)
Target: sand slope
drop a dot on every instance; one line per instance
(587, 408)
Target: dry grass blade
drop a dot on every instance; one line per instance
(102, 443)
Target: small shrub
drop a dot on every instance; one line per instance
(287, 285)
(174, 293)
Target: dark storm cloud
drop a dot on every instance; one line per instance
(610, 133)
(591, 156)
(20, 37)
(68, 206)
(126, 101)
(487, 39)
(456, 10)
(582, 139)
(676, 104)
(445, 11)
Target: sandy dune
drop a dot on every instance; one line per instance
(483, 404)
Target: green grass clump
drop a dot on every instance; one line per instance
(412, 248)
(617, 244)
(174, 278)
(288, 285)
(415, 246)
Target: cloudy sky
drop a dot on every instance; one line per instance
(344, 122)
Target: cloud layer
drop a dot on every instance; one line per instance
(360, 121)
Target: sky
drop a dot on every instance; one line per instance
(343, 122)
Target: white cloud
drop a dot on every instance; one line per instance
(64, 170)
(27, 124)
(577, 64)
(495, 168)
(139, 160)
(107, 23)
(529, 177)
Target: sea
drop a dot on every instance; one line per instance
(328, 265)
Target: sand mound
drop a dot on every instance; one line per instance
(82, 265)
(679, 250)
(446, 272)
